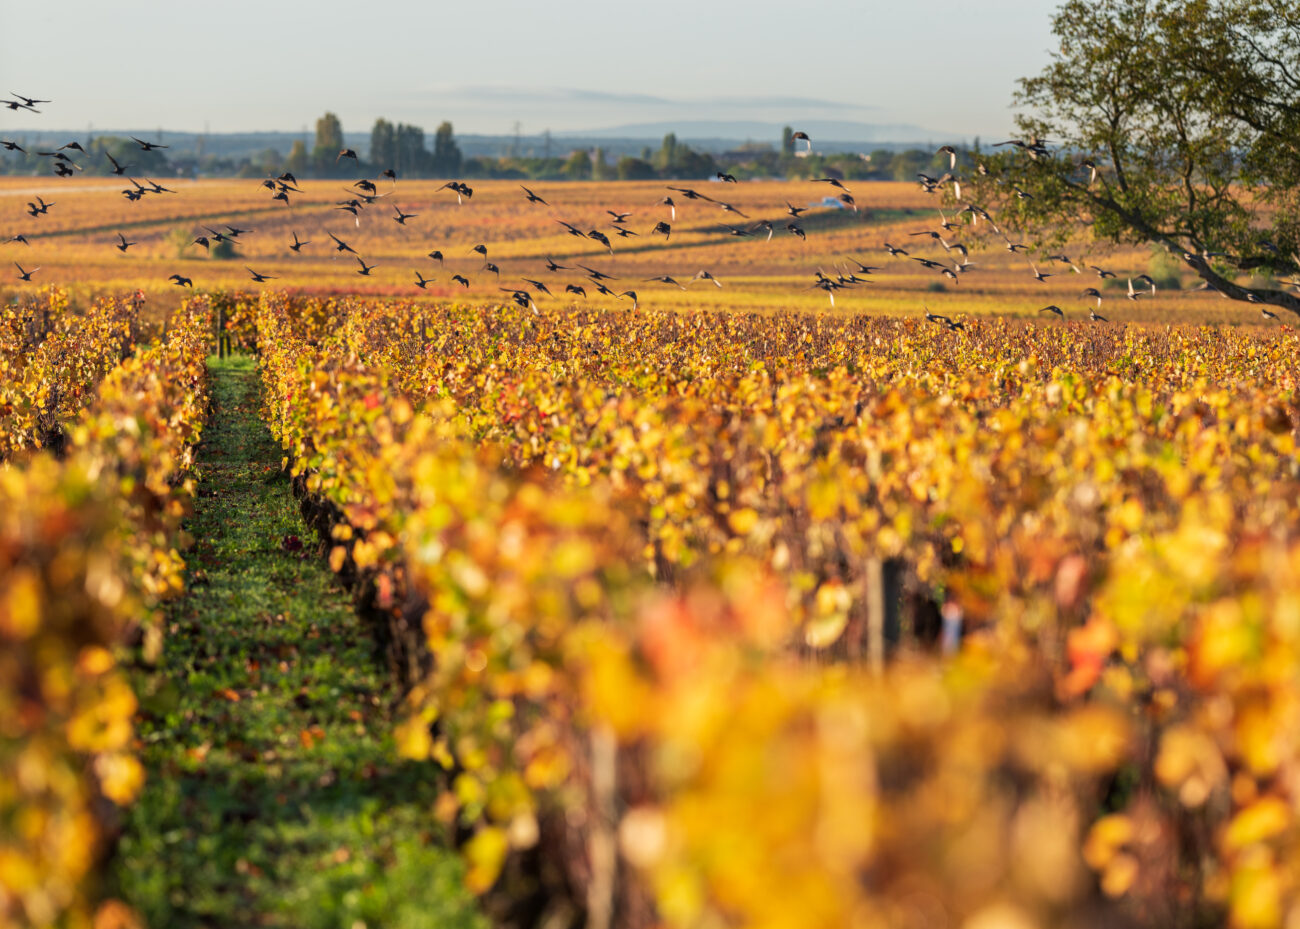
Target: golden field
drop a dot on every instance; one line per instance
(74, 247)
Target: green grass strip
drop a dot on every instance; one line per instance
(275, 796)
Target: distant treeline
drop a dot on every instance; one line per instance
(405, 149)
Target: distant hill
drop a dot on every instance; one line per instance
(842, 131)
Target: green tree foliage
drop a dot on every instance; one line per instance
(383, 143)
(296, 163)
(1189, 111)
(599, 165)
(446, 153)
(329, 142)
(578, 166)
(634, 169)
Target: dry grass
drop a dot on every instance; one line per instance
(73, 245)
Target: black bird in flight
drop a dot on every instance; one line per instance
(573, 230)
(203, 240)
(147, 146)
(575, 289)
(19, 238)
(181, 281)
(726, 178)
(297, 244)
(691, 194)
(401, 217)
(118, 169)
(421, 281)
(123, 244)
(459, 279)
(794, 210)
(462, 190)
(538, 285)
(435, 255)
(12, 146)
(600, 237)
(259, 278)
(532, 197)
(665, 279)
(390, 174)
(795, 230)
(801, 137)
(668, 202)
(345, 153)
(552, 266)
(481, 249)
(365, 269)
(597, 275)
(368, 186)
(662, 229)
(618, 217)
(25, 275)
(489, 266)
(832, 181)
(29, 101)
(341, 246)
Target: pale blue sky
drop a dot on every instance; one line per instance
(563, 65)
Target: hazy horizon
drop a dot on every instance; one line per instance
(565, 67)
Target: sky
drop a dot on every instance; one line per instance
(562, 65)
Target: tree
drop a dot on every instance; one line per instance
(296, 162)
(446, 153)
(383, 144)
(329, 142)
(669, 152)
(787, 141)
(1173, 122)
(634, 169)
(578, 167)
(599, 165)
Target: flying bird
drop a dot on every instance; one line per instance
(25, 275)
(532, 197)
(297, 243)
(123, 244)
(147, 146)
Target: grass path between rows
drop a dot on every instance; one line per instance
(274, 795)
